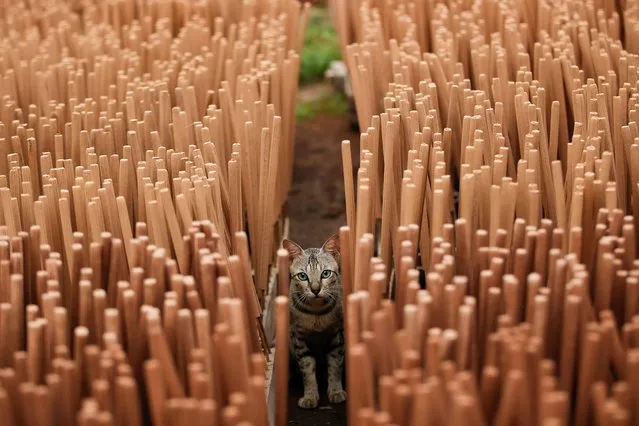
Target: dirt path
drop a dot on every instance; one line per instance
(316, 200)
(316, 210)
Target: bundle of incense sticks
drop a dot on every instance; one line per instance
(140, 143)
(490, 258)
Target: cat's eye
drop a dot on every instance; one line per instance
(302, 276)
(326, 273)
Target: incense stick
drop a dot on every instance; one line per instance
(125, 181)
(477, 131)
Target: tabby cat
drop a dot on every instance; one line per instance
(316, 317)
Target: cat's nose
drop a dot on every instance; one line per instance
(315, 290)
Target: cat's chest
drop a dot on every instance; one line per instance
(318, 325)
(318, 339)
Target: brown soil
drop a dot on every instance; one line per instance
(316, 202)
(316, 210)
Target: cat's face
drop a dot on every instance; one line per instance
(315, 282)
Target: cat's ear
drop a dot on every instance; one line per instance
(294, 250)
(331, 246)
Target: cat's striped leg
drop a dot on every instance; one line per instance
(306, 363)
(335, 361)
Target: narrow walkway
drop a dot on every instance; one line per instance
(316, 210)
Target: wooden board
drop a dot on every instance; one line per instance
(269, 328)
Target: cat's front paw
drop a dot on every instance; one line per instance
(336, 396)
(308, 401)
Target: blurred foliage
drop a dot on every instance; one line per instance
(321, 46)
(331, 104)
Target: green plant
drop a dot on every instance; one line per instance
(321, 46)
(332, 104)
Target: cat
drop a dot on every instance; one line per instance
(316, 319)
